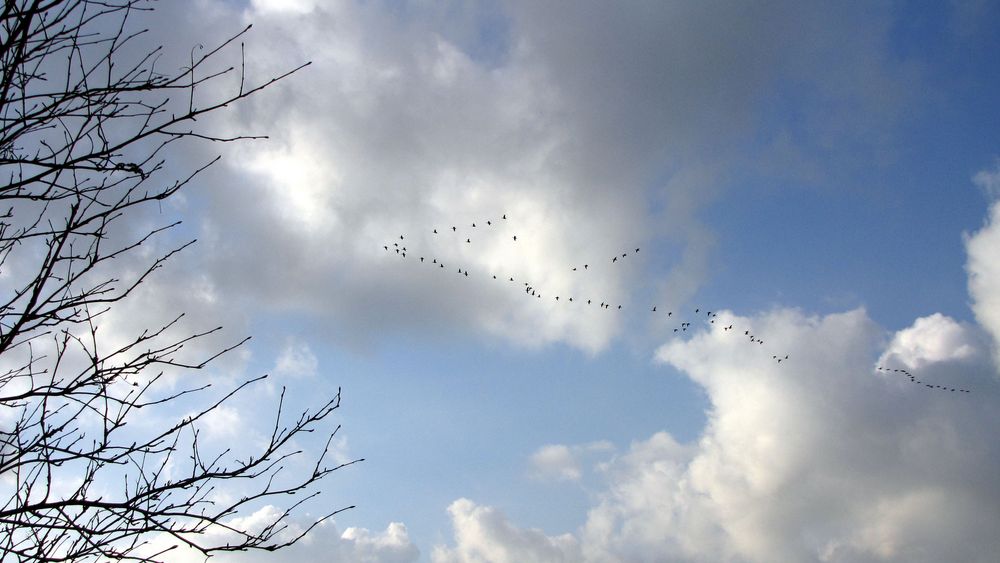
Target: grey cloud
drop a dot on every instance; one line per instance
(400, 126)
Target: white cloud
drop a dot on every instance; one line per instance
(559, 462)
(989, 180)
(323, 543)
(392, 545)
(296, 360)
(483, 534)
(983, 268)
(819, 458)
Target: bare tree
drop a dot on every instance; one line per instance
(86, 124)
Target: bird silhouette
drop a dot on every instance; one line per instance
(515, 238)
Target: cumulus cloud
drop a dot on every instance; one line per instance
(485, 534)
(983, 268)
(559, 462)
(323, 543)
(819, 458)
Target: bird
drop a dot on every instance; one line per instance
(619, 306)
(571, 299)
(488, 223)
(696, 310)
(637, 250)
(435, 231)
(442, 265)
(466, 273)
(434, 261)
(584, 266)
(473, 225)
(515, 238)
(615, 259)
(588, 302)
(505, 216)
(511, 279)
(574, 269)
(400, 237)
(557, 298)
(453, 229)
(624, 254)
(494, 277)
(654, 308)
(421, 258)
(468, 240)
(387, 247)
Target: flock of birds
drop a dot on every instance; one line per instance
(398, 247)
(913, 379)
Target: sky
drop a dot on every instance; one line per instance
(822, 177)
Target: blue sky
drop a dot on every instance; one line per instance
(822, 173)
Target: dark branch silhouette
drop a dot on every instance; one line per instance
(84, 126)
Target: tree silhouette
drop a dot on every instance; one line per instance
(86, 123)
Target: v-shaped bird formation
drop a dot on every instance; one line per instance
(469, 233)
